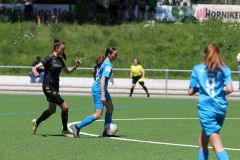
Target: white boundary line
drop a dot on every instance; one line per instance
(151, 142)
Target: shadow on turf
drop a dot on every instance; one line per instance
(54, 135)
(100, 136)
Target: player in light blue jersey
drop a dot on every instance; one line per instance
(99, 91)
(209, 79)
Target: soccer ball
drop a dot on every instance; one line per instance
(111, 128)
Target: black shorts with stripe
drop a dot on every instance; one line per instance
(52, 95)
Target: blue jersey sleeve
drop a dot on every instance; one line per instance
(193, 79)
(107, 70)
(227, 76)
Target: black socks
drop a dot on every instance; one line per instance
(64, 115)
(45, 115)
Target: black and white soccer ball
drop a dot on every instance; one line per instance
(111, 128)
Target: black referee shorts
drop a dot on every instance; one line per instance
(135, 80)
(52, 95)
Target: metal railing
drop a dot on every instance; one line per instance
(128, 69)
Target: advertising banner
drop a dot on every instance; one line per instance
(171, 13)
(225, 12)
(47, 8)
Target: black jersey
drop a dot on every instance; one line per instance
(53, 67)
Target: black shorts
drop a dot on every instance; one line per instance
(52, 95)
(136, 78)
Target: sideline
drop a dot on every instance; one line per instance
(151, 142)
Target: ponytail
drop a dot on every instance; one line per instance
(212, 57)
(99, 60)
(64, 56)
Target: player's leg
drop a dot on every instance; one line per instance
(109, 112)
(64, 116)
(91, 118)
(145, 88)
(41, 76)
(203, 146)
(216, 142)
(109, 108)
(215, 139)
(131, 90)
(33, 78)
(134, 81)
(45, 115)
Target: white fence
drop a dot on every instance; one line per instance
(165, 84)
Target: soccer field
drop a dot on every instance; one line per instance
(148, 128)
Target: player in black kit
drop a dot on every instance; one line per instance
(53, 65)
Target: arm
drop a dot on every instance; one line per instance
(69, 70)
(34, 69)
(142, 70)
(103, 88)
(143, 74)
(192, 91)
(238, 59)
(130, 74)
(111, 79)
(229, 89)
(94, 73)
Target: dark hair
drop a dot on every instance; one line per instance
(138, 62)
(212, 57)
(38, 58)
(99, 60)
(57, 43)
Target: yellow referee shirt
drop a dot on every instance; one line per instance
(137, 70)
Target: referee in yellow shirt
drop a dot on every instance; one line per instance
(137, 72)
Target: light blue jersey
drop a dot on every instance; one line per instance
(104, 70)
(211, 86)
(212, 105)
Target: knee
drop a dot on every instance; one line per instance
(51, 112)
(65, 108)
(98, 116)
(110, 110)
(30, 73)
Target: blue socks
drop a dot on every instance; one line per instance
(108, 118)
(202, 155)
(222, 155)
(88, 120)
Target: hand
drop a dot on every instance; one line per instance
(78, 62)
(142, 76)
(103, 98)
(36, 74)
